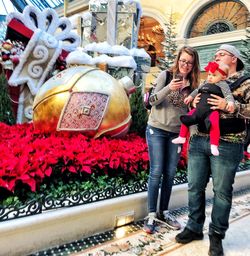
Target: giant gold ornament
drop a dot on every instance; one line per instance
(82, 99)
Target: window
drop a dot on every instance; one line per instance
(218, 17)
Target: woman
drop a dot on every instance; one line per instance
(163, 125)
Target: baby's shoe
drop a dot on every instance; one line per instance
(179, 140)
(214, 150)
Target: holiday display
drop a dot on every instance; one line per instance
(118, 60)
(60, 85)
(35, 40)
(83, 99)
(122, 16)
(111, 28)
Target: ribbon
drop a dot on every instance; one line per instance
(214, 66)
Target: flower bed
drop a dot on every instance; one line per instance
(30, 158)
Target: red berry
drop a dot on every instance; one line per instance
(5, 57)
(61, 58)
(15, 60)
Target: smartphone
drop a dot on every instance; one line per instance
(179, 77)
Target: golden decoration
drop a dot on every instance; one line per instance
(52, 98)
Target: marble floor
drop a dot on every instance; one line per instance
(236, 242)
(133, 241)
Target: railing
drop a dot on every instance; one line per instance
(46, 203)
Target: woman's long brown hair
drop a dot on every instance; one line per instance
(194, 75)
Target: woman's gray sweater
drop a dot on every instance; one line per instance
(167, 105)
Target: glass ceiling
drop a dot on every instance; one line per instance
(7, 6)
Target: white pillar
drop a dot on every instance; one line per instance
(111, 22)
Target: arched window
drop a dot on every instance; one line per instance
(218, 17)
(151, 34)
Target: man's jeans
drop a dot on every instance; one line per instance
(222, 169)
(164, 156)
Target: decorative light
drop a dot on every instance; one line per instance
(124, 219)
(157, 29)
(120, 232)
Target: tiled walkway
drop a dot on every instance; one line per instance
(130, 240)
(236, 242)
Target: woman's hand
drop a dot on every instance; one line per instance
(196, 100)
(175, 84)
(230, 107)
(217, 102)
(188, 99)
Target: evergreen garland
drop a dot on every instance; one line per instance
(169, 45)
(245, 52)
(6, 114)
(139, 113)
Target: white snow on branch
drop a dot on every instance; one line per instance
(79, 57)
(120, 50)
(86, 16)
(90, 47)
(139, 53)
(106, 48)
(117, 61)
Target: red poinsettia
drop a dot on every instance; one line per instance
(29, 156)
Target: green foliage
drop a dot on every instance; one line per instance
(11, 201)
(139, 113)
(169, 45)
(58, 188)
(6, 114)
(245, 52)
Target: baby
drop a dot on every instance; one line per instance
(214, 84)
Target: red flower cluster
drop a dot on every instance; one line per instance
(29, 156)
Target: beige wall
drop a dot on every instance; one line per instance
(165, 7)
(183, 11)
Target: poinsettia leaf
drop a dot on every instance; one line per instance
(86, 169)
(48, 171)
(72, 169)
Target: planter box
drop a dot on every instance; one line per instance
(31, 234)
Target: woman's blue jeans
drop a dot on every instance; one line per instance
(164, 156)
(222, 169)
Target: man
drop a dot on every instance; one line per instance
(222, 168)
